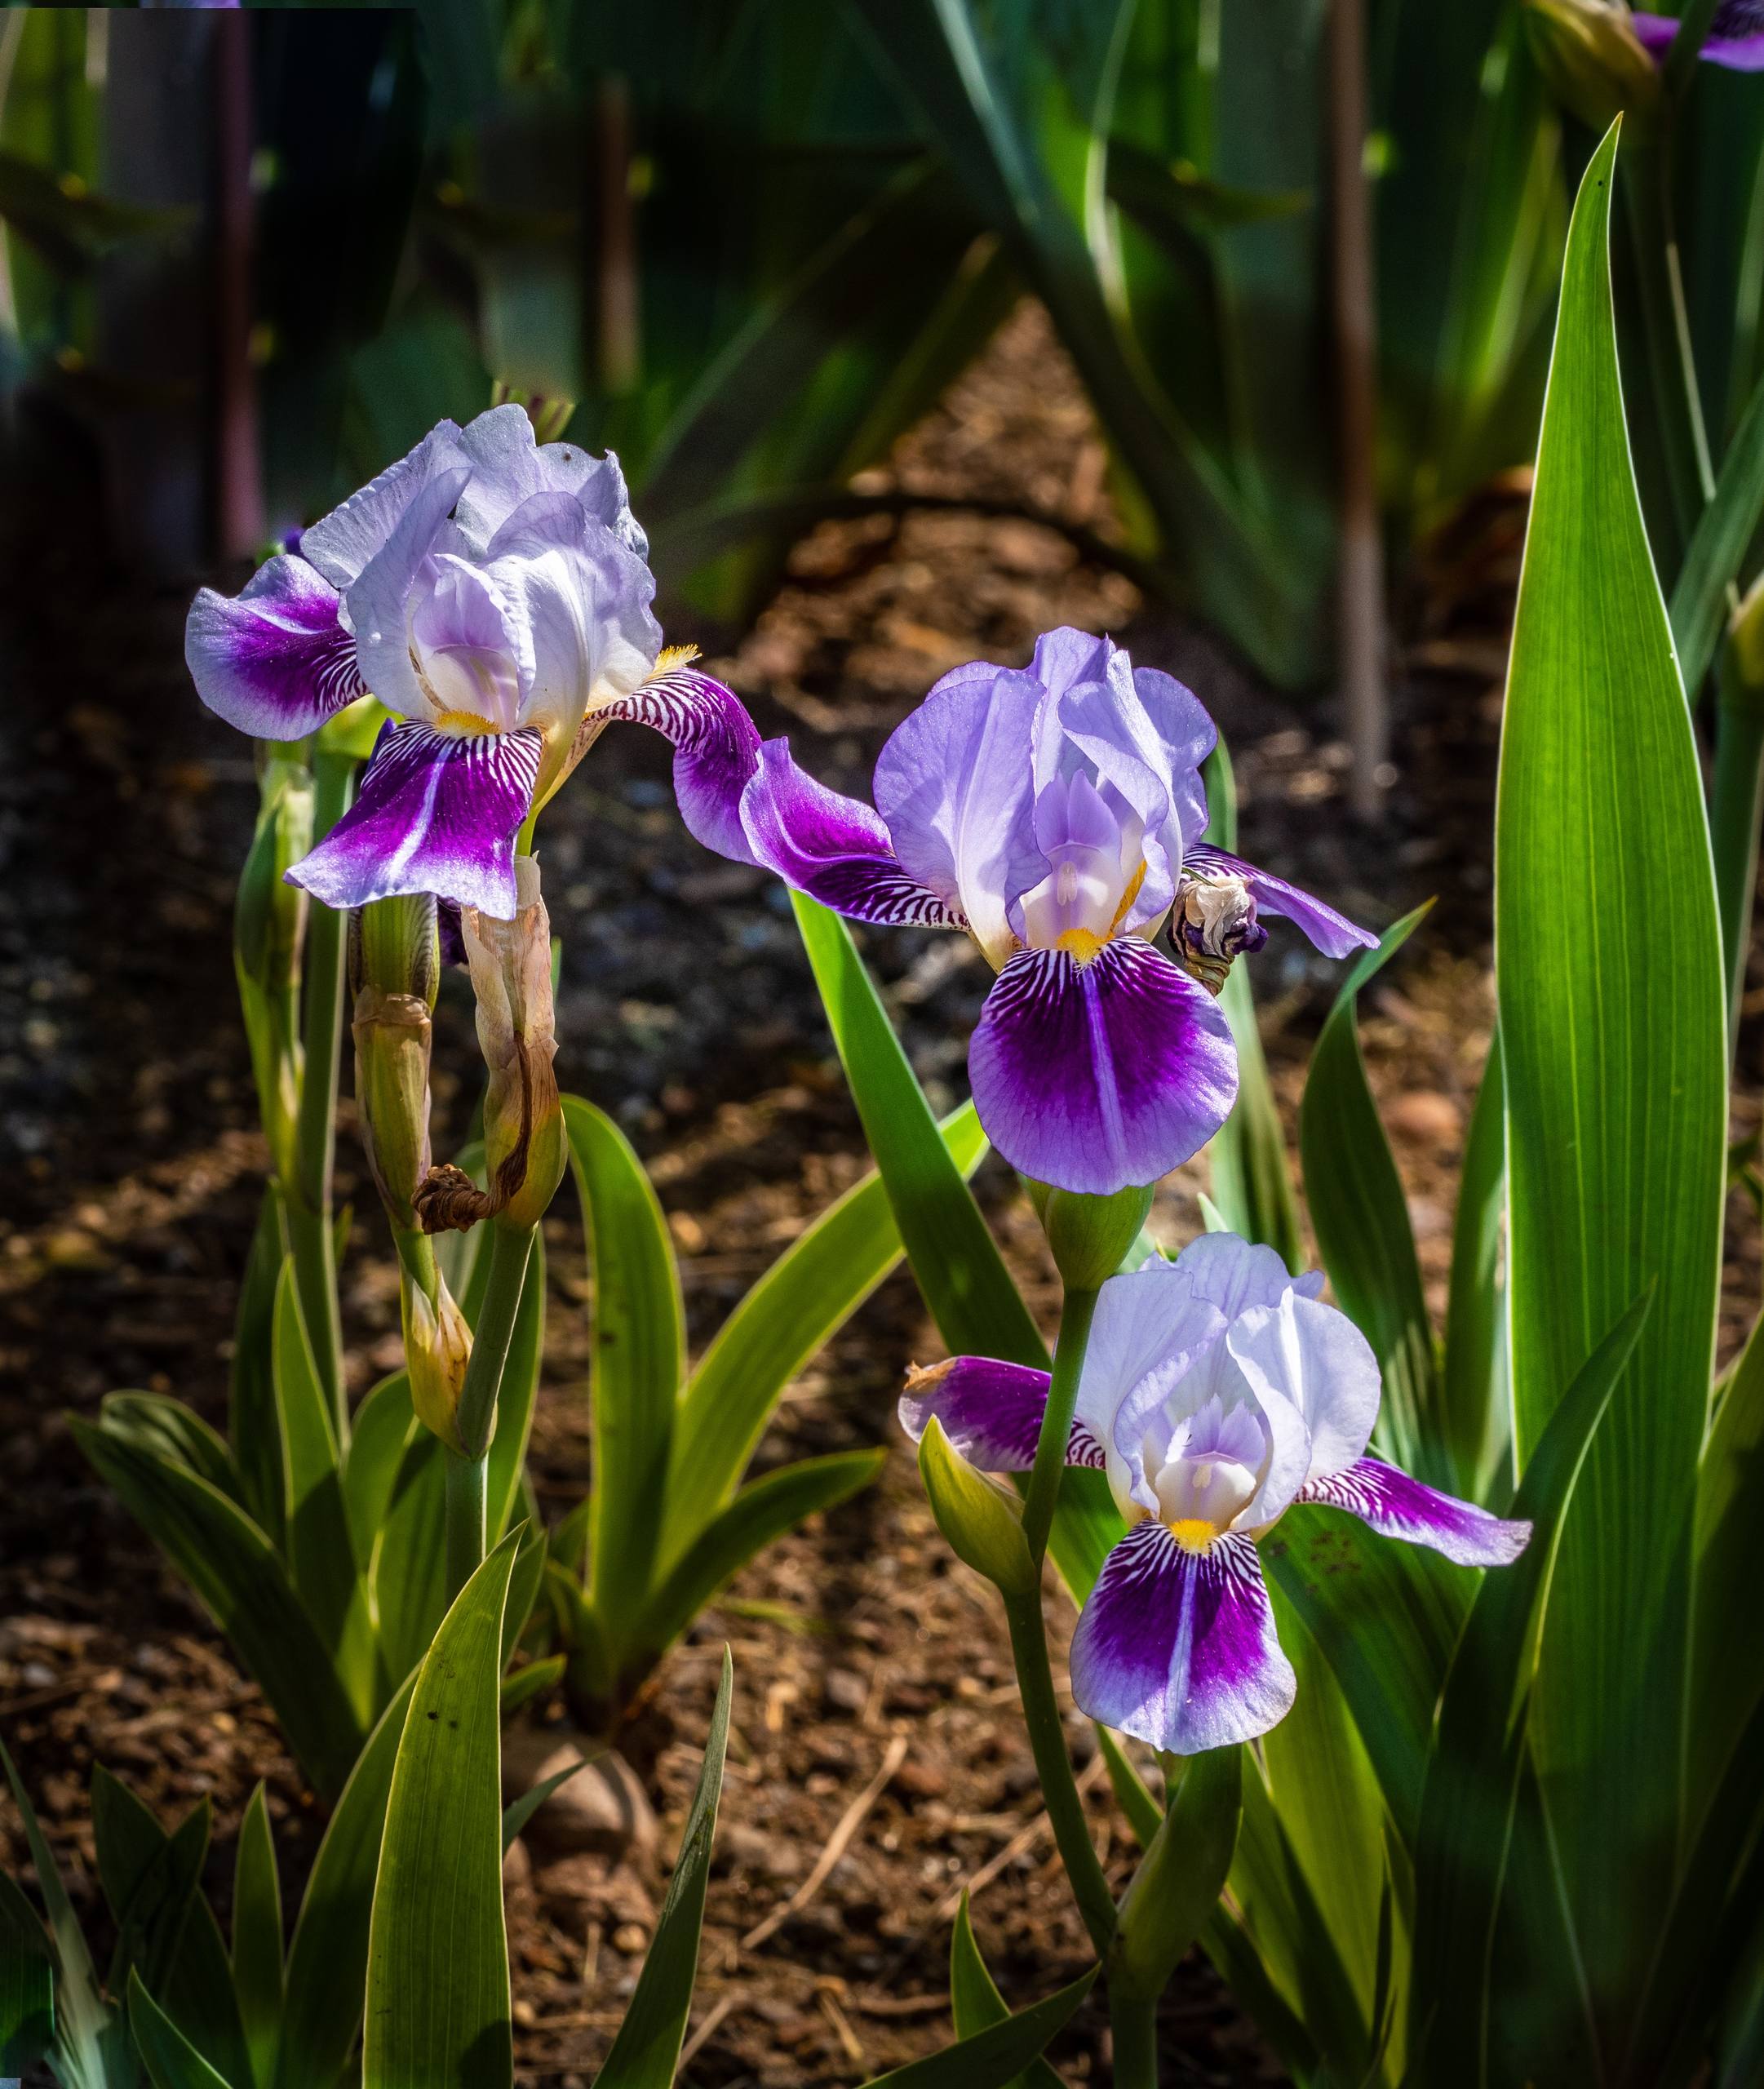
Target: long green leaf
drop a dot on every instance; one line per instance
(506, 1459)
(251, 1421)
(1616, 1120)
(27, 1983)
(1386, 1617)
(975, 2002)
(378, 1434)
(165, 1930)
(90, 2046)
(244, 1586)
(327, 1959)
(646, 2052)
(1718, 544)
(1727, 1621)
(518, 1812)
(320, 1552)
(172, 2062)
(159, 1423)
(821, 1279)
(958, 1269)
(1472, 1380)
(992, 2057)
(437, 1958)
(638, 1325)
(1361, 1220)
(1183, 1873)
(1467, 1810)
(257, 1943)
(762, 1510)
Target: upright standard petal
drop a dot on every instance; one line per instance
(341, 543)
(1396, 1506)
(1141, 1317)
(274, 660)
(385, 597)
(1307, 1353)
(953, 788)
(831, 847)
(437, 813)
(585, 596)
(716, 749)
(990, 1411)
(509, 466)
(1098, 1075)
(1333, 933)
(1177, 1647)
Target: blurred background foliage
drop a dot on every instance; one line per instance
(753, 241)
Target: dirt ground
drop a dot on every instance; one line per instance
(132, 1165)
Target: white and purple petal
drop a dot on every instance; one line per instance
(1098, 1075)
(717, 749)
(1396, 1506)
(1333, 933)
(272, 660)
(1307, 1353)
(342, 543)
(832, 847)
(953, 788)
(509, 466)
(1177, 1647)
(385, 598)
(584, 595)
(436, 813)
(990, 1411)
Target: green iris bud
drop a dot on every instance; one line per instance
(268, 933)
(1090, 1236)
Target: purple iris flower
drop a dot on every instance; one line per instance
(1217, 1392)
(490, 593)
(1055, 813)
(1735, 38)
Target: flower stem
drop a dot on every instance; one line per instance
(309, 1205)
(510, 1253)
(1049, 1468)
(1133, 2020)
(1029, 1641)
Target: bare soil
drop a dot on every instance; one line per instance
(132, 1167)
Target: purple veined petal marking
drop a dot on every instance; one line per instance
(1333, 934)
(717, 749)
(437, 813)
(1394, 1506)
(990, 1411)
(833, 848)
(1177, 1647)
(1098, 1075)
(274, 660)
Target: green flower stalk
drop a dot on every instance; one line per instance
(395, 968)
(270, 932)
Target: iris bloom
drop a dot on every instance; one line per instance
(1217, 1392)
(491, 593)
(1055, 813)
(1735, 38)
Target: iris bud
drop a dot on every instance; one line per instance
(983, 1527)
(1090, 1235)
(395, 968)
(524, 1152)
(1594, 62)
(1744, 682)
(437, 1347)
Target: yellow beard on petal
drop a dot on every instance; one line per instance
(1192, 1533)
(1081, 944)
(465, 723)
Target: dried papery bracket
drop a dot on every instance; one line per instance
(524, 1144)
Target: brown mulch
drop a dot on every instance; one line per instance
(132, 1163)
